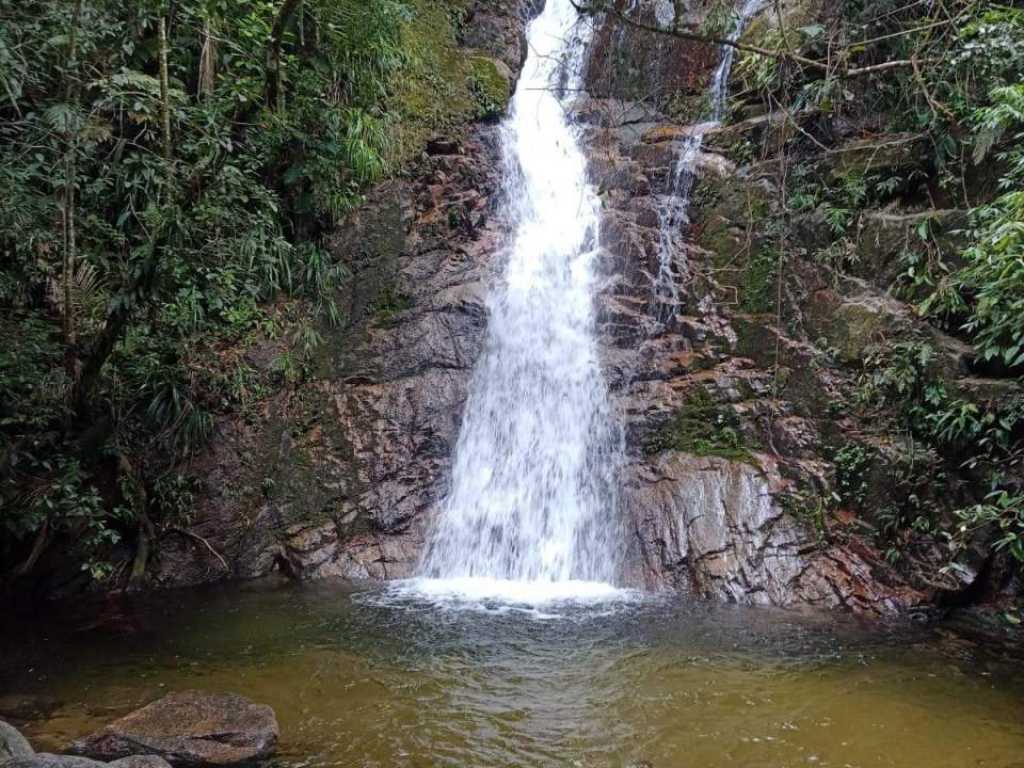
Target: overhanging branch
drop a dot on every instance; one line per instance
(838, 70)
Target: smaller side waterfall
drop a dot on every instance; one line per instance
(673, 212)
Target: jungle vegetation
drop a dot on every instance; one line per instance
(168, 171)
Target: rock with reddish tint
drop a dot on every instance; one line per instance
(189, 728)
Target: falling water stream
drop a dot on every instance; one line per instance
(531, 511)
(673, 212)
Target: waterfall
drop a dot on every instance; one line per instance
(533, 499)
(673, 212)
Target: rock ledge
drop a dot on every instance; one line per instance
(189, 728)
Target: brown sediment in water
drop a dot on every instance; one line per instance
(356, 679)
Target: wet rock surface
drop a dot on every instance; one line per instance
(12, 744)
(338, 477)
(189, 728)
(734, 528)
(341, 476)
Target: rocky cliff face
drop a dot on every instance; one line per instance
(337, 476)
(733, 391)
(729, 404)
(716, 525)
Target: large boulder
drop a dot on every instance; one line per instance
(46, 760)
(22, 707)
(883, 154)
(140, 761)
(189, 728)
(12, 743)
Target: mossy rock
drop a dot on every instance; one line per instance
(303, 464)
(797, 371)
(491, 85)
(885, 236)
(889, 153)
(434, 94)
(763, 28)
(853, 326)
(688, 108)
(701, 427)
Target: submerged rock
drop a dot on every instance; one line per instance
(27, 706)
(189, 728)
(12, 744)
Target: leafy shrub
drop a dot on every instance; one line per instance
(852, 463)
(181, 251)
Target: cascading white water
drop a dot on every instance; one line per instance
(673, 212)
(532, 501)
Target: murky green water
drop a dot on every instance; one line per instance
(358, 682)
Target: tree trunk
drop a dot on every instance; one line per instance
(68, 267)
(274, 84)
(42, 540)
(70, 181)
(207, 61)
(138, 500)
(165, 92)
(120, 315)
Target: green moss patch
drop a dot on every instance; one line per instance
(390, 303)
(759, 285)
(703, 428)
(491, 86)
(433, 93)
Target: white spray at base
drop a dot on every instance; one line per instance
(673, 212)
(531, 515)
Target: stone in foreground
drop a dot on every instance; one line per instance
(12, 744)
(140, 761)
(46, 760)
(188, 729)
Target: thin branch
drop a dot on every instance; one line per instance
(204, 542)
(905, 32)
(685, 34)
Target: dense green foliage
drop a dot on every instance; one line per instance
(168, 172)
(947, 75)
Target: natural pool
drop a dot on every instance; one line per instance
(359, 677)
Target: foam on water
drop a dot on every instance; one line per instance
(541, 600)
